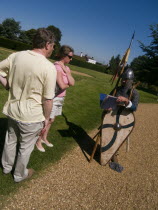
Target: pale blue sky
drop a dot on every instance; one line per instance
(99, 28)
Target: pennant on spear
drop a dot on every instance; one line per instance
(122, 64)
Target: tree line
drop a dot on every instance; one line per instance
(11, 29)
(145, 67)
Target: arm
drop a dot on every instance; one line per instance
(47, 107)
(4, 68)
(127, 102)
(120, 99)
(132, 105)
(4, 82)
(123, 99)
(48, 93)
(134, 100)
(71, 80)
(60, 81)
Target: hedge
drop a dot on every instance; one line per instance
(87, 65)
(14, 45)
(18, 46)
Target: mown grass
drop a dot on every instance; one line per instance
(81, 113)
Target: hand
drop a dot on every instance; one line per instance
(109, 109)
(122, 99)
(45, 124)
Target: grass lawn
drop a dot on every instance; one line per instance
(81, 113)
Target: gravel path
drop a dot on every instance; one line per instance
(74, 183)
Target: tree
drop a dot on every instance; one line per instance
(146, 66)
(151, 50)
(10, 29)
(30, 34)
(24, 38)
(56, 32)
(58, 35)
(146, 69)
(1, 29)
(140, 67)
(114, 64)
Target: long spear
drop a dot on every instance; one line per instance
(123, 64)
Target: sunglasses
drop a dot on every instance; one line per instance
(70, 57)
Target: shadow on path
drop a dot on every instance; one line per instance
(85, 142)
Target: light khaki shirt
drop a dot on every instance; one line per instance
(31, 78)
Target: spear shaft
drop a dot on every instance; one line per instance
(123, 63)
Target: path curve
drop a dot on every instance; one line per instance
(80, 73)
(74, 183)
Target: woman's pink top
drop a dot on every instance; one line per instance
(62, 93)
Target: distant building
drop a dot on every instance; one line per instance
(90, 60)
(81, 54)
(86, 57)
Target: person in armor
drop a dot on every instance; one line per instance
(123, 93)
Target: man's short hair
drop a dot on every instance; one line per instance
(41, 37)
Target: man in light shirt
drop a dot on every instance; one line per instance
(31, 79)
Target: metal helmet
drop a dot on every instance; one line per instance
(128, 74)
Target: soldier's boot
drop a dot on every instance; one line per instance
(114, 163)
(115, 158)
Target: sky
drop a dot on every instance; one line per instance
(99, 28)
